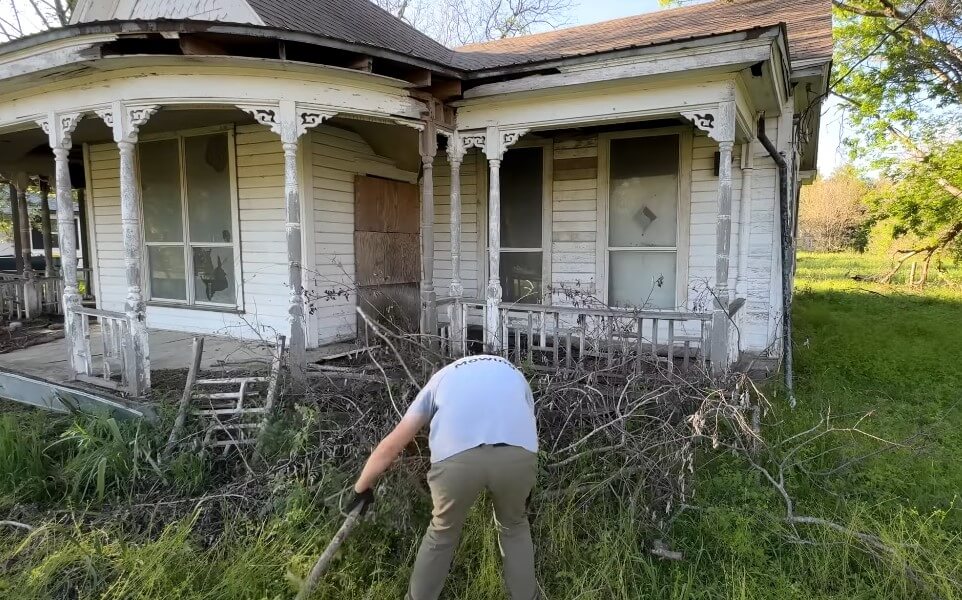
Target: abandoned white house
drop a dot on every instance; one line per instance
(255, 167)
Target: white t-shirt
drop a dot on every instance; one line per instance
(477, 400)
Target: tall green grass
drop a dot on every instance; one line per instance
(861, 348)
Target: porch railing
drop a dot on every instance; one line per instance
(566, 337)
(26, 298)
(110, 360)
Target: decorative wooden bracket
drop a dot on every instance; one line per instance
(126, 121)
(59, 128)
(718, 122)
(288, 120)
(419, 125)
(473, 139)
(510, 138)
(455, 149)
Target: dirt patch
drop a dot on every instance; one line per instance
(17, 335)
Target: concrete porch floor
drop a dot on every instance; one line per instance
(168, 350)
(39, 375)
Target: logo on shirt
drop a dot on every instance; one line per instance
(474, 359)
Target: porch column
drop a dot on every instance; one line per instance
(290, 121)
(23, 214)
(721, 323)
(15, 221)
(745, 217)
(429, 298)
(59, 129)
(719, 123)
(126, 122)
(31, 297)
(493, 293)
(44, 185)
(456, 289)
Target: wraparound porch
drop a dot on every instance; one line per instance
(700, 332)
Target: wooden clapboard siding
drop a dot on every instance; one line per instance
(574, 216)
(469, 224)
(104, 187)
(338, 156)
(762, 310)
(263, 237)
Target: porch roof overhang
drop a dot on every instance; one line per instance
(227, 82)
(721, 98)
(214, 37)
(751, 69)
(718, 52)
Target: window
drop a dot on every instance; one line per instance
(643, 193)
(522, 224)
(189, 222)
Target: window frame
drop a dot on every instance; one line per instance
(682, 247)
(192, 302)
(547, 197)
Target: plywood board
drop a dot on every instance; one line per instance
(385, 205)
(387, 258)
(397, 306)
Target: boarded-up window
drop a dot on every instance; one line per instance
(387, 252)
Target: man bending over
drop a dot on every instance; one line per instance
(483, 436)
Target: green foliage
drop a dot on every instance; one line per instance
(898, 67)
(26, 471)
(899, 70)
(104, 457)
(6, 223)
(917, 204)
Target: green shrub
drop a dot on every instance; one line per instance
(104, 457)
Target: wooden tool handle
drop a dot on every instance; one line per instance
(320, 567)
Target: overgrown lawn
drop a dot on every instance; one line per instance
(884, 358)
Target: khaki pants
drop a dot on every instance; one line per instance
(509, 474)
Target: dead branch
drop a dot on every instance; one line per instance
(17, 525)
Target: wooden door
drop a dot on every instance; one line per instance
(387, 252)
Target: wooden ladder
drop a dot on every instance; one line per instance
(231, 411)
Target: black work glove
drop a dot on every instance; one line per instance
(363, 499)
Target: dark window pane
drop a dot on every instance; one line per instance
(643, 192)
(214, 275)
(160, 185)
(521, 198)
(36, 237)
(167, 272)
(521, 277)
(207, 160)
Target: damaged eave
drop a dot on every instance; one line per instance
(104, 32)
(52, 56)
(722, 53)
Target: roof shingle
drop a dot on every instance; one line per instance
(809, 32)
(809, 25)
(357, 21)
